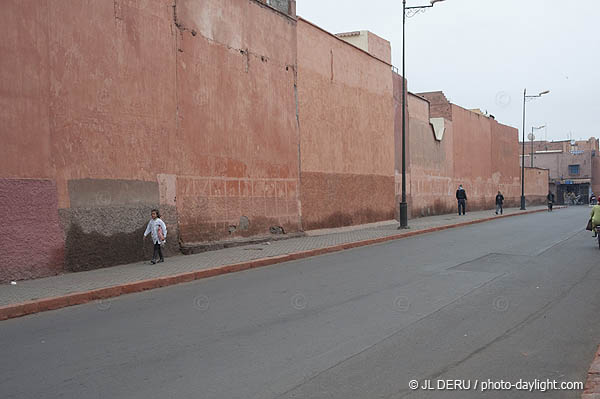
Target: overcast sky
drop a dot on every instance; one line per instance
(483, 53)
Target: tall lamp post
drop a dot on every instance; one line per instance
(403, 204)
(532, 138)
(525, 97)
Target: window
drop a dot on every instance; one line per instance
(573, 169)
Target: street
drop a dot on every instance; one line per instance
(511, 299)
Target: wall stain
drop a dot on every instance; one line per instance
(88, 251)
(342, 219)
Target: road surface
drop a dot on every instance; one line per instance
(513, 299)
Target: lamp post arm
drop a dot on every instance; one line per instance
(416, 7)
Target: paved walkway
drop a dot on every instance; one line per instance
(65, 284)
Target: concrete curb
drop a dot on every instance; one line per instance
(592, 383)
(42, 305)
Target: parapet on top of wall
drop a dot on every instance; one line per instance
(377, 46)
(285, 6)
(439, 105)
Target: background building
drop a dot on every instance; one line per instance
(574, 166)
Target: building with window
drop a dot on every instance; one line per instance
(574, 166)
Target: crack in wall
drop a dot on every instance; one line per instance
(118, 10)
(246, 52)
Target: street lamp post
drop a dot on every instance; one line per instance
(525, 97)
(403, 204)
(532, 138)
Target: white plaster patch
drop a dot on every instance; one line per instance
(438, 127)
(167, 188)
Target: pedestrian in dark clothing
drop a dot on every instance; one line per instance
(550, 198)
(461, 197)
(499, 202)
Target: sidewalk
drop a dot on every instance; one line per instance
(32, 296)
(592, 384)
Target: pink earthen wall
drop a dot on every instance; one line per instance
(32, 239)
(536, 185)
(129, 105)
(596, 174)
(346, 118)
(380, 48)
(237, 148)
(87, 93)
(475, 151)
(431, 163)
(225, 114)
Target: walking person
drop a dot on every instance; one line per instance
(461, 197)
(158, 229)
(499, 202)
(550, 198)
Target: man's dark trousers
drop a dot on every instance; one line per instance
(461, 206)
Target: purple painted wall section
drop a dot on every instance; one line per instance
(32, 243)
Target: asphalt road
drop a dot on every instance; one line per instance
(513, 299)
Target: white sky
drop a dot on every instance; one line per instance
(483, 53)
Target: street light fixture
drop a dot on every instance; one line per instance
(532, 138)
(525, 97)
(403, 205)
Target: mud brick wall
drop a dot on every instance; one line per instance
(475, 151)
(32, 240)
(237, 152)
(232, 117)
(207, 207)
(346, 119)
(536, 186)
(116, 102)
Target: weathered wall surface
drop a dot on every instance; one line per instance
(431, 163)
(133, 105)
(475, 151)
(596, 174)
(590, 144)
(81, 100)
(558, 165)
(380, 48)
(548, 161)
(346, 118)
(24, 89)
(32, 240)
(536, 186)
(224, 114)
(472, 161)
(506, 169)
(237, 137)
